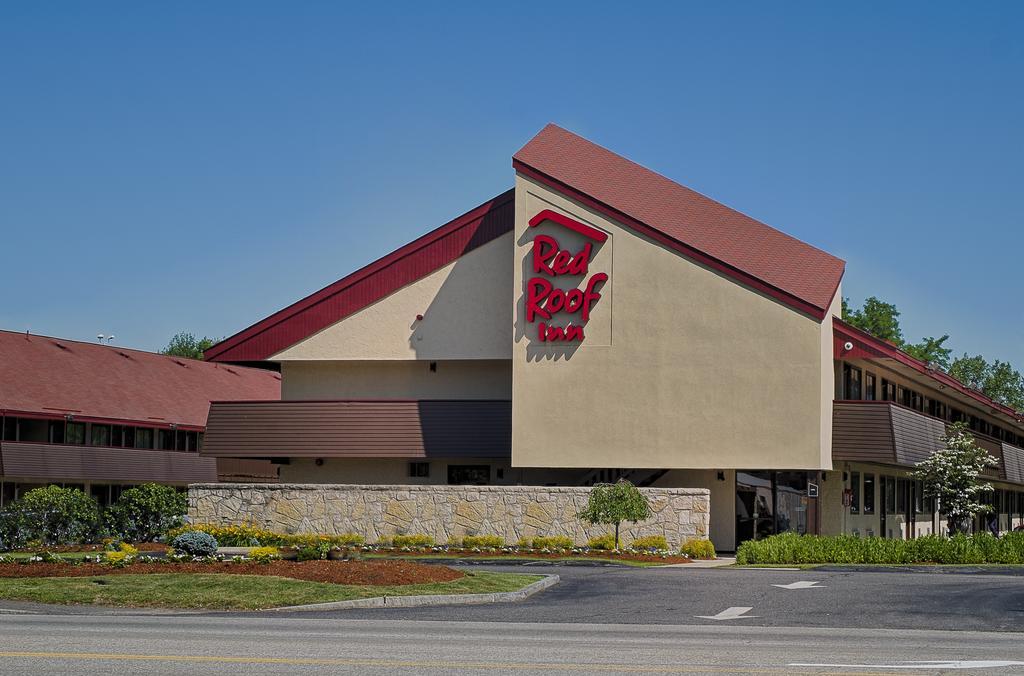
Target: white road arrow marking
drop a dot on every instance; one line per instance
(734, 613)
(953, 664)
(802, 584)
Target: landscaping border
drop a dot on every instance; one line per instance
(427, 599)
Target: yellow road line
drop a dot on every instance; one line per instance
(422, 664)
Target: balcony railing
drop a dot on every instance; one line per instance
(888, 433)
(66, 462)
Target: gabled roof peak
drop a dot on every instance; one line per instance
(756, 254)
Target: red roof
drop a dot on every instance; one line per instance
(366, 286)
(54, 377)
(757, 255)
(866, 346)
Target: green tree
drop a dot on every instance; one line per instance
(56, 516)
(931, 350)
(147, 512)
(186, 345)
(952, 475)
(998, 380)
(880, 319)
(610, 504)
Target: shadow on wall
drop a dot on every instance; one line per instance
(468, 317)
(537, 350)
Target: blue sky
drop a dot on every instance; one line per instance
(197, 166)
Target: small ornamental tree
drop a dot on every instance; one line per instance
(146, 512)
(611, 504)
(952, 475)
(57, 516)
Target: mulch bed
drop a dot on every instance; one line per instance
(592, 554)
(376, 573)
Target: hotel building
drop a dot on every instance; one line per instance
(599, 321)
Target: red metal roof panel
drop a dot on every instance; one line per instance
(52, 377)
(755, 251)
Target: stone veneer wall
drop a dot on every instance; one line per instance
(512, 512)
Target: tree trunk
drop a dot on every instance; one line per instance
(958, 524)
(617, 534)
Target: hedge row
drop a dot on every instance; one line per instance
(790, 548)
(62, 516)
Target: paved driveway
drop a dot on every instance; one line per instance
(987, 601)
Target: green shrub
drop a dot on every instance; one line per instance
(604, 542)
(147, 512)
(52, 516)
(483, 541)
(195, 543)
(121, 557)
(697, 548)
(412, 541)
(248, 535)
(551, 542)
(49, 557)
(790, 548)
(315, 552)
(649, 542)
(264, 554)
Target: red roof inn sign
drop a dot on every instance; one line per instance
(544, 300)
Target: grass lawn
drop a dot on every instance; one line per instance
(230, 592)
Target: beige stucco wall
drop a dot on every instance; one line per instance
(681, 367)
(452, 379)
(722, 524)
(465, 309)
(512, 512)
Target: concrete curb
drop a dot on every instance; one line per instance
(428, 599)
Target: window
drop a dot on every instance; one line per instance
(854, 492)
(888, 390)
(851, 377)
(869, 386)
(74, 433)
(100, 435)
(117, 436)
(902, 488)
(419, 470)
(890, 494)
(129, 437)
(919, 497)
(936, 408)
(143, 437)
(869, 493)
(10, 430)
(56, 432)
(475, 475)
(165, 439)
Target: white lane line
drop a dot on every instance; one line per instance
(802, 584)
(953, 664)
(734, 613)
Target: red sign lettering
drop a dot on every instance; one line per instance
(544, 300)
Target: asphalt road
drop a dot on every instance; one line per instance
(77, 644)
(598, 620)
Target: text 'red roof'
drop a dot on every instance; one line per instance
(56, 377)
(756, 254)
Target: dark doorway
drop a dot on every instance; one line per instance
(770, 502)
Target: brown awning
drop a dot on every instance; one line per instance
(58, 462)
(890, 434)
(360, 429)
